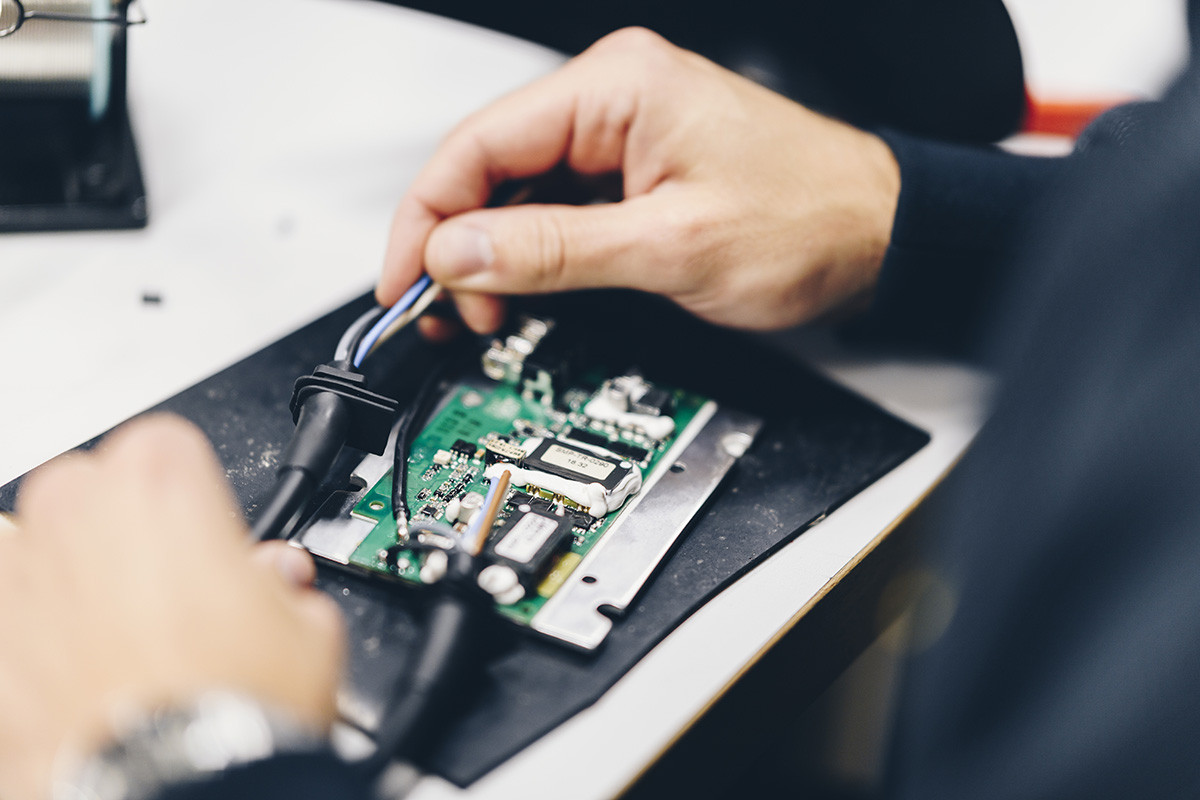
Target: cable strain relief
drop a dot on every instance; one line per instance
(370, 413)
(322, 422)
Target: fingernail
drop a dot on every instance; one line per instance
(461, 250)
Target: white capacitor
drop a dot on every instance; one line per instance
(470, 505)
(502, 583)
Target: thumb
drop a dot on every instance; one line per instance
(294, 565)
(533, 249)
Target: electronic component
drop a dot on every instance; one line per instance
(589, 437)
(517, 499)
(614, 446)
(441, 458)
(574, 462)
(591, 494)
(617, 402)
(454, 485)
(630, 451)
(497, 449)
(505, 359)
(654, 401)
(564, 466)
(502, 583)
(468, 507)
(523, 427)
(537, 358)
(526, 544)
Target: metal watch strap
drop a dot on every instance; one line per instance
(188, 743)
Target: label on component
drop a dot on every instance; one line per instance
(596, 468)
(525, 538)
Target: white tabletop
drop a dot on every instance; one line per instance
(275, 142)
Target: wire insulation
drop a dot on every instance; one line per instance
(410, 426)
(292, 490)
(415, 310)
(481, 525)
(347, 346)
(393, 314)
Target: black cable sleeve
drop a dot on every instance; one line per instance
(449, 652)
(321, 429)
(292, 489)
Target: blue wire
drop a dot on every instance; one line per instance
(402, 305)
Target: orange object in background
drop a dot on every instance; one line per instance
(1064, 117)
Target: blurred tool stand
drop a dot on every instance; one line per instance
(69, 159)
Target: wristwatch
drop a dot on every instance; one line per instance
(217, 731)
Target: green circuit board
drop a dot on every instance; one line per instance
(449, 457)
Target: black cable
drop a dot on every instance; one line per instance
(322, 425)
(449, 652)
(333, 407)
(414, 419)
(400, 510)
(292, 489)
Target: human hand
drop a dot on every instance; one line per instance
(129, 584)
(741, 206)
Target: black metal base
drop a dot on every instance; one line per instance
(60, 171)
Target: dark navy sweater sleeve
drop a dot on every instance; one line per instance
(961, 210)
(1059, 651)
(319, 776)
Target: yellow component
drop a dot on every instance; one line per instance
(550, 584)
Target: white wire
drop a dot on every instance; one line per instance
(394, 315)
(412, 313)
(342, 353)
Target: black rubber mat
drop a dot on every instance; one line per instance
(820, 445)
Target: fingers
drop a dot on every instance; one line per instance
(164, 464)
(160, 465)
(537, 249)
(49, 495)
(486, 149)
(580, 115)
(326, 635)
(293, 564)
(438, 329)
(482, 313)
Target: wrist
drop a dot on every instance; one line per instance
(880, 199)
(189, 743)
(859, 222)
